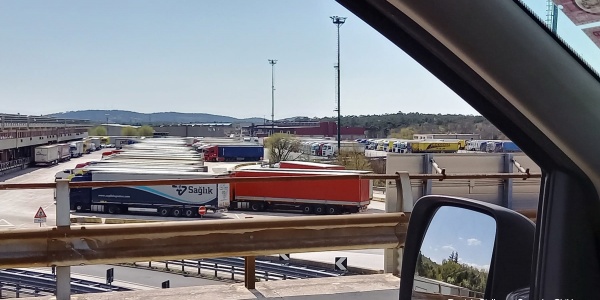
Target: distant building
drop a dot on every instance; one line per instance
(195, 130)
(20, 134)
(449, 136)
(308, 129)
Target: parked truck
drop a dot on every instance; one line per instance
(166, 200)
(76, 149)
(64, 152)
(433, 147)
(335, 196)
(47, 155)
(96, 143)
(233, 153)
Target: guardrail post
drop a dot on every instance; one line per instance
(216, 268)
(427, 169)
(167, 265)
(232, 272)
(18, 289)
(63, 220)
(182, 266)
(250, 272)
(392, 258)
(507, 192)
(199, 267)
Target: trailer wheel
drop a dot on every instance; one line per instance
(306, 208)
(257, 206)
(190, 212)
(176, 212)
(320, 209)
(113, 209)
(333, 210)
(78, 207)
(164, 211)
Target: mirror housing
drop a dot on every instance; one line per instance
(513, 248)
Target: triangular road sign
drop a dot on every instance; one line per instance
(40, 213)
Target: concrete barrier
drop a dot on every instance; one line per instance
(124, 221)
(86, 220)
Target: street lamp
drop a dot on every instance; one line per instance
(272, 62)
(338, 22)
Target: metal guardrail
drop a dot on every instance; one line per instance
(18, 163)
(64, 246)
(39, 284)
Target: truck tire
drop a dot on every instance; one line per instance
(78, 207)
(113, 209)
(190, 212)
(257, 206)
(176, 212)
(333, 210)
(320, 209)
(164, 211)
(306, 208)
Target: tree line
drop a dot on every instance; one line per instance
(144, 130)
(452, 272)
(404, 125)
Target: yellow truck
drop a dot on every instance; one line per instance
(433, 147)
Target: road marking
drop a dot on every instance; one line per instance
(5, 223)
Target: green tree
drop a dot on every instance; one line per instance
(281, 146)
(129, 131)
(353, 160)
(145, 131)
(97, 131)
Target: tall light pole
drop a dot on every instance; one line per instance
(272, 62)
(338, 22)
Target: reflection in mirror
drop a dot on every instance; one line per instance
(456, 253)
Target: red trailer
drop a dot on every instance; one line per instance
(308, 165)
(334, 196)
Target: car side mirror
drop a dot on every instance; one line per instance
(465, 248)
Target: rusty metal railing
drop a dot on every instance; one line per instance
(66, 245)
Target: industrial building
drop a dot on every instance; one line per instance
(195, 129)
(20, 134)
(308, 129)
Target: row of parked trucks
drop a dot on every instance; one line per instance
(48, 155)
(440, 146)
(336, 196)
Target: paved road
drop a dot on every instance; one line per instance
(141, 276)
(19, 206)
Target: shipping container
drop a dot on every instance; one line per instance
(64, 152)
(308, 165)
(233, 153)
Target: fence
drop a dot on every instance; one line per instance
(64, 246)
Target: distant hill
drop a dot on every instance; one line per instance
(131, 117)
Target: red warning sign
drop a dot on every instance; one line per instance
(40, 214)
(202, 210)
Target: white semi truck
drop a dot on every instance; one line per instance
(166, 200)
(47, 155)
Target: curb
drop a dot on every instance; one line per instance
(125, 221)
(86, 220)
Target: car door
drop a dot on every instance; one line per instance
(502, 60)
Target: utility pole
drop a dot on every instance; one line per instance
(338, 22)
(272, 62)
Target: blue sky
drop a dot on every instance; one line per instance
(211, 56)
(469, 233)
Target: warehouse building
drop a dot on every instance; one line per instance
(20, 134)
(195, 130)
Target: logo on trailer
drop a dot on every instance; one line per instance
(181, 189)
(199, 190)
